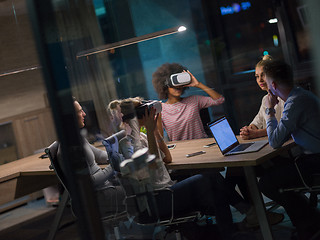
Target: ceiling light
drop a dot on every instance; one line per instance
(130, 41)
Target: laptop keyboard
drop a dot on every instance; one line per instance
(241, 147)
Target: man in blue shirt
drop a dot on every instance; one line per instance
(300, 120)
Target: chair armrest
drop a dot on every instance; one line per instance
(296, 160)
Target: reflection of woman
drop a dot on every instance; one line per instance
(180, 117)
(257, 127)
(110, 196)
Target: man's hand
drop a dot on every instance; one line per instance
(271, 100)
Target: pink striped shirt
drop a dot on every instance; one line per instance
(182, 120)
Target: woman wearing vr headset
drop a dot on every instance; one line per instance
(180, 116)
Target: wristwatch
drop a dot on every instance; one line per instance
(270, 110)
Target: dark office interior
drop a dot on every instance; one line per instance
(102, 50)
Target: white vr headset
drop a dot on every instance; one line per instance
(179, 79)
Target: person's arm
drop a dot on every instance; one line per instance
(135, 133)
(259, 120)
(99, 176)
(212, 93)
(255, 129)
(101, 157)
(159, 125)
(155, 140)
(163, 147)
(150, 122)
(278, 133)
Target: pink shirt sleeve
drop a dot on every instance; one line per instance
(205, 102)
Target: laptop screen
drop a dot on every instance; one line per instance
(223, 133)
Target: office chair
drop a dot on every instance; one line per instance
(205, 119)
(51, 151)
(312, 187)
(141, 197)
(112, 219)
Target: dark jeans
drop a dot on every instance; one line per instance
(204, 193)
(236, 176)
(302, 215)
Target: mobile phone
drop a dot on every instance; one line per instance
(195, 154)
(209, 145)
(171, 146)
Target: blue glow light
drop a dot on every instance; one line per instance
(265, 53)
(235, 8)
(245, 5)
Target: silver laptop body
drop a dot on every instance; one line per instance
(227, 140)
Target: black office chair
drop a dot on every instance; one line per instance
(312, 187)
(51, 151)
(205, 119)
(112, 219)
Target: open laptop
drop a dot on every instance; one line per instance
(227, 140)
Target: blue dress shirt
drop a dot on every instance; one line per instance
(300, 120)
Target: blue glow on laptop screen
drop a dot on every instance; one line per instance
(223, 134)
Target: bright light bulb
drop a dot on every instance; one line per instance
(182, 28)
(273, 20)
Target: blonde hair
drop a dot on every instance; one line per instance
(265, 59)
(136, 101)
(113, 104)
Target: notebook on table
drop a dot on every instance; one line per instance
(227, 140)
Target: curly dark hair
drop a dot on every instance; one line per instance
(161, 76)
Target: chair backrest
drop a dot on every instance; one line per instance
(52, 152)
(140, 200)
(135, 180)
(205, 118)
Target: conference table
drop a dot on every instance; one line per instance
(213, 158)
(30, 174)
(25, 176)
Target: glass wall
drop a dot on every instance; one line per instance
(103, 50)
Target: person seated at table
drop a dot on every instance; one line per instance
(180, 116)
(196, 191)
(111, 198)
(300, 120)
(235, 176)
(257, 127)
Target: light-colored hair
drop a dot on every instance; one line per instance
(265, 59)
(113, 104)
(136, 101)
